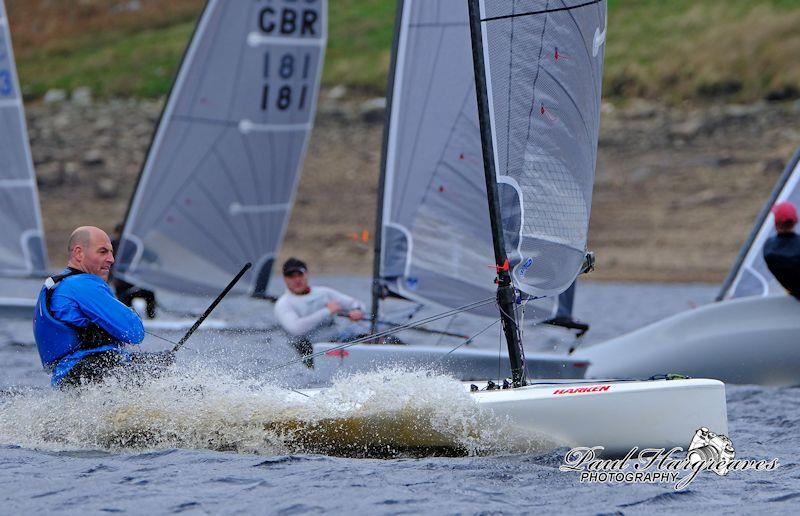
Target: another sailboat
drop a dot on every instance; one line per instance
(223, 167)
(539, 121)
(22, 247)
(433, 240)
(748, 336)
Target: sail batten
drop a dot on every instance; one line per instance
(22, 245)
(221, 175)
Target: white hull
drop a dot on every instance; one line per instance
(617, 415)
(748, 341)
(463, 364)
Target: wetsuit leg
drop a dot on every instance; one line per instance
(92, 369)
(305, 348)
(149, 298)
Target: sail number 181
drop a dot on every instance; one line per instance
(285, 92)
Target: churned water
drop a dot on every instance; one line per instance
(226, 432)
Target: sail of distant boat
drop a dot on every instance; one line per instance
(543, 65)
(750, 275)
(22, 247)
(436, 243)
(219, 180)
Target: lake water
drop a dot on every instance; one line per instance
(204, 439)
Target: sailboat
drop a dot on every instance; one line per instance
(433, 245)
(748, 336)
(222, 170)
(539, 122)
(22, 247)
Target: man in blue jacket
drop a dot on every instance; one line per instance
(80, 327)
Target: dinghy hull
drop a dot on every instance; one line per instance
(751, 340)
(462, 364)
(614, 414)
(617, 415)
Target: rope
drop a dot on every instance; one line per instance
(468, 340)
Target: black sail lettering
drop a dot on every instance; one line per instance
(309, 18)
(265, 19)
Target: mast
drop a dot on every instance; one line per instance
(762, 217)
(505, 289)
(377, 285)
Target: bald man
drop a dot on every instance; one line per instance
(79, 325)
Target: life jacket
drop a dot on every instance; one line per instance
(56, 339)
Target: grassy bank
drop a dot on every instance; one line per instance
(704, 50)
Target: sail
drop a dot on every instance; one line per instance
(436, 240)
(22, 248)
(750, 275)
(543, 63)
(219, 180)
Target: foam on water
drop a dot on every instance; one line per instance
(381, 413)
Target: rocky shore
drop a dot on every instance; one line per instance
(676, 194)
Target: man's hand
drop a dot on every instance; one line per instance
(355, 315)
(333, 307)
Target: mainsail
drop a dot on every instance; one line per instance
(219, 181)
(750, 275)
(543, 64)
(436, 237)
(22, 248)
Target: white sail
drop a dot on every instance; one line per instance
(437, 241)
(543, 64)
(22, 248)
(219, 181)
(750, 275)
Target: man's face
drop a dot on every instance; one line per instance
(98, 257)
(297, 282)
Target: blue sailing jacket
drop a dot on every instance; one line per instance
(83, 317)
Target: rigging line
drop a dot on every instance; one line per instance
(386, 333)
(469, 340)
(447, 330)
(544, 11)
(160, 337)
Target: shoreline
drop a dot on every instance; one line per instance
(676, 192)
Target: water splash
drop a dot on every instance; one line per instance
(384, 413)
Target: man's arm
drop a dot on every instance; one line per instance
(351, 306)
(296, 325)
(348, 303)
(100, 306)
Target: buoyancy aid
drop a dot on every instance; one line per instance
(56, 339)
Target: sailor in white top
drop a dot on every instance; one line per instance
(308, 314)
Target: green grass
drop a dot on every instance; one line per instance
(674, 50)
